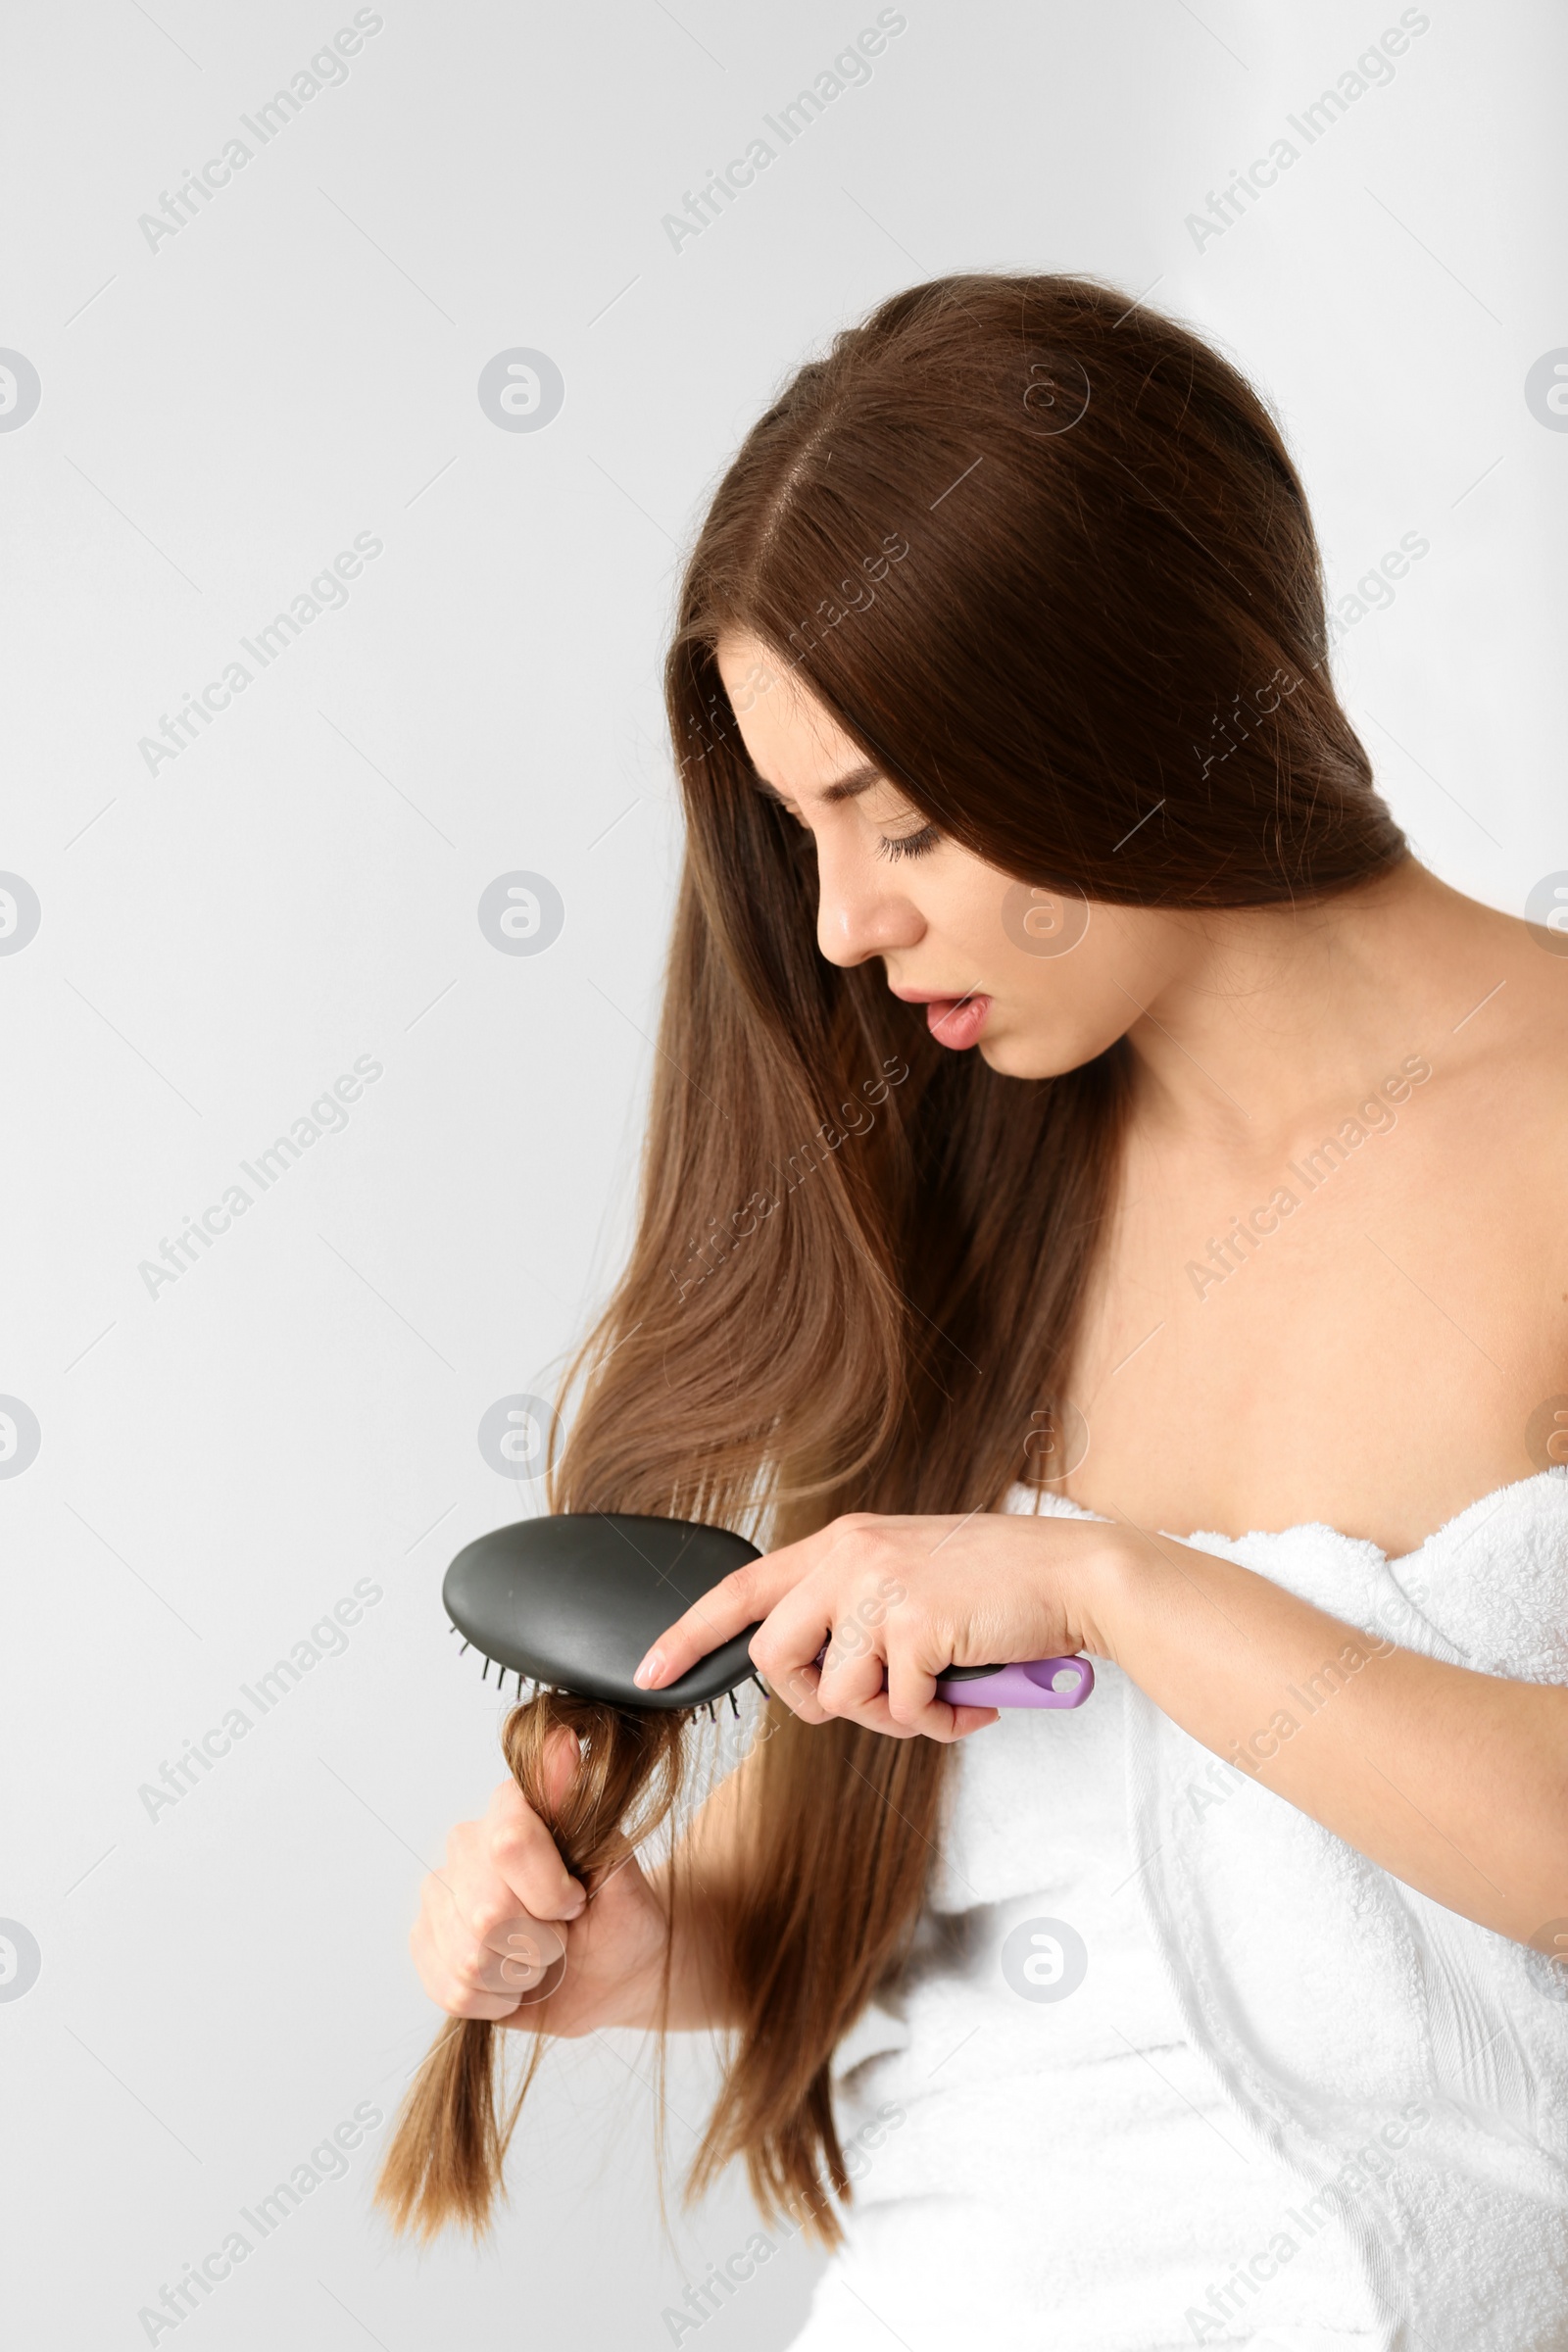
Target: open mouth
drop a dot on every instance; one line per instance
(956, 1021)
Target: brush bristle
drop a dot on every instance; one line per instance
(530, 1689)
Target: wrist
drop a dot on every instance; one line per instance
(1115, 1584)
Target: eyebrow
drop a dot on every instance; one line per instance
(846, 787)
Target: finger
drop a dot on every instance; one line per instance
(912, 1698)
(938, 1721)
(561, 1756)
(452, 1979)
(503, 1946)
(802, 1689)
(797, 1688)
(446, 1989)
(496, 1948)
(966, 1720)
(833, 1601)
(515, 1847)
(742, 1597)
(825, 1670)
(849, 1680)
(942, 1722)
(787, 1649)
(912, 1692)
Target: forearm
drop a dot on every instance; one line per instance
(1455, 1782)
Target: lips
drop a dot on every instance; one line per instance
(954, 1021)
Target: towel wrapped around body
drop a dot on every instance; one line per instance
(1172, 2064)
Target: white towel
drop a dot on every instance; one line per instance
(1328, 1997)
(1285, 2038)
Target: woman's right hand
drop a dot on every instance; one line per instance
(494, 1923)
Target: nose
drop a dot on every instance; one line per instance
(861, 909)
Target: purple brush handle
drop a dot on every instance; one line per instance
(1037, 1683)
(1030, 1682)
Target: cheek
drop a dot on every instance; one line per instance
(956, 916)
(1059, 1012)
(964, 903)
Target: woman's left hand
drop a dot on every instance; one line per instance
(904, 1597)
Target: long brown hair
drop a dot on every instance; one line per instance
(1042, 555)
(448, 2149)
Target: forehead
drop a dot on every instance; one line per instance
(793, 742)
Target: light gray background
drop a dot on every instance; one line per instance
(222, 1984)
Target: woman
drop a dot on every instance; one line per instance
(1081, 1125)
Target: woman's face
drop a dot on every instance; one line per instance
(1039, 983)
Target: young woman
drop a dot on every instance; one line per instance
(1079, 1125)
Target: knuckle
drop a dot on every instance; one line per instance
(467, 1963)
(506, 1844)
(492, 1913)
(520, 1834)
(764, 1650)
(742, 1587)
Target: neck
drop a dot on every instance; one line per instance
(1269, 1016)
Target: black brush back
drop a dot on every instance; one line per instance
(576, 1599)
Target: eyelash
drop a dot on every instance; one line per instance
(909, 845)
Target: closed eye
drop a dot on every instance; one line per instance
(908, 845)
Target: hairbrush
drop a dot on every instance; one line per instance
(573, 1601)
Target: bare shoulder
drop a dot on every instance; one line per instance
(1508, 1050)
(1499, 1104)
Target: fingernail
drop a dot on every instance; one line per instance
(649, 1671)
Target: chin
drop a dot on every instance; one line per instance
(1016, 1057)
(1033, 1056)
